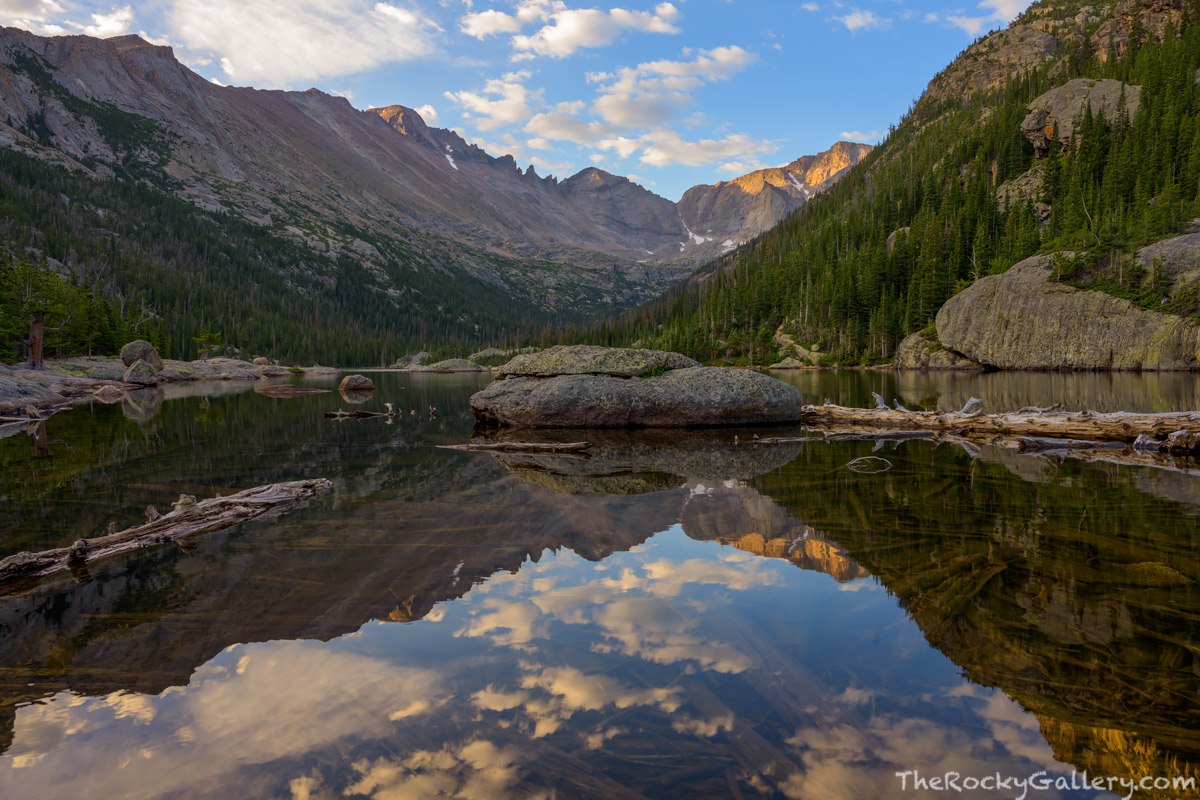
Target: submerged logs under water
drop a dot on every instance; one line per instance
(19, 573)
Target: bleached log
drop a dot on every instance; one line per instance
(1175, 431)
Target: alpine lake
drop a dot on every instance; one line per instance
(674, 615)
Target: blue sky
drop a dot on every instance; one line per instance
(671, 94)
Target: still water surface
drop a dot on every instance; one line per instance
(674, 617)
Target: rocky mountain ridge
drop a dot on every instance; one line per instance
(381, 186)
(742, 208)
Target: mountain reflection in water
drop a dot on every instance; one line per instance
(631, 624)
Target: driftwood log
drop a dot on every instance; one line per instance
(1177, 432)
(19, 573)
(522, 447)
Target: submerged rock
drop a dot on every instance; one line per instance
(141, 373)
(356, 383)
(141, 350)
(917, 352)
(1022, 320)
(109, 394)
(691, 397)
(586, 359)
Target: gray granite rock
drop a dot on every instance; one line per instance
(141, 350)
(691, 397)
(1021, 320)
(585, 359)
(141, 373)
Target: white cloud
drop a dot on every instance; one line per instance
(48, 18)
(115, 23)
(503, 101)
(428, 113)
(860, 136)
(572, 29)
(999, 12)
(667, 147)
(567, 128)
(859, 20)
(655, 91)
(284, 43)
(489, 23)
(810, 7)
(971, 25)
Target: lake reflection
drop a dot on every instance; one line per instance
(674, 616)
(656, 672)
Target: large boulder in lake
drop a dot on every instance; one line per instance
(1023, 320)
(356, 383)
(141, 350)
(681, 398)
(585, 359)
(141, 373)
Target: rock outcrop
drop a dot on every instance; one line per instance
(414, 360)
(1179, 256)
(917, 352)
(1150, 17)
(1053, 114)
(586, 359)
(141, 350)
(1022, 320)
(679, 398)
(993, 61)
(452, 365)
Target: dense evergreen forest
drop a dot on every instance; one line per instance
(170, 270)
(829, 277)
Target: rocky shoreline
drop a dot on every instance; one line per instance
(62, 381)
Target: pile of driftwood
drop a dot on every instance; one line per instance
(1030, 428)
(188, 519)
(1166, 441)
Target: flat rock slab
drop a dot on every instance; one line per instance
(682, 398)
(586, 359)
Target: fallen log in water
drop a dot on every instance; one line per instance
(522, 447)
(19, 573)
(1177, 432)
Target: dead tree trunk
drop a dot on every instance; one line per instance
(36, 339)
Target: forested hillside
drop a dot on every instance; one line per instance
(153, 258)
(956, 192)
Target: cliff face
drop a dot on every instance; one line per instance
(1023, 320)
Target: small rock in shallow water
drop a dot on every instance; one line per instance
(356, 383)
